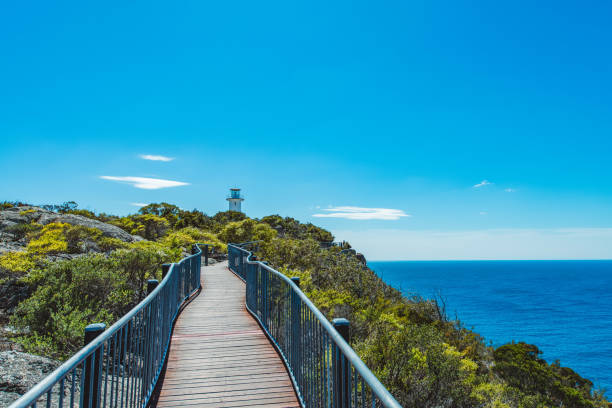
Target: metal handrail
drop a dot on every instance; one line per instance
(325, 370)
(124, 362)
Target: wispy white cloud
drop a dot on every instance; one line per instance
(139, 204)
(510, 190)
(482, 184)
(360, 213)
(146, 183)
(483, 213)
(156, 157)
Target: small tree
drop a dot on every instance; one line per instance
(246, 230)
(151, 226)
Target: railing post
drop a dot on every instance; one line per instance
(296, 325)
(240, 263)
(151, 285)
(92, 368)
(165, 269)
(341, 367)
(206, 255)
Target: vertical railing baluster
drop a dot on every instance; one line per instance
(72, 387)
(61, 393)
(114, 371)
(123, 357)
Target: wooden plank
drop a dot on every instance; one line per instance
(219, 357)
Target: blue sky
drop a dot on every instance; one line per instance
(311, 106)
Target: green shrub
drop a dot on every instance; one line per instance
(291, 253)
(178, 218)
(11, 204)
(63, 208)
(497, 395)
(24, 229)
(49, 240)
(148, 226)
(107, 244)
(418, 367)
(70, 295)
(76, 234)
(84, 213)
(169, 212)
(222, 218)
(93, 288)
(141, 262)
(151, 227)
(188, 236)
(17, 262)
(521, 367)
(246, 230)
(291, 228)
(127, 224)
(57, 238)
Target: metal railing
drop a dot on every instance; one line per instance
(325, 370)
(119, 367)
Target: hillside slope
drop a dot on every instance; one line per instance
(74, 272)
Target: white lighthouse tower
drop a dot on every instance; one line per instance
(235, 200)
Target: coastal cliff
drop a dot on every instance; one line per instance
(65, 268)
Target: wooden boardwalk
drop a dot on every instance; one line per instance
(219, 356)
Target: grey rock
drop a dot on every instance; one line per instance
(361, 258)
(12, 292)
(7, 398)
(8, 246)
(63, 257)
(72, 219)
(21, 215)
(21, 371)
(7, 342)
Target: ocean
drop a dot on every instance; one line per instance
(563, 307)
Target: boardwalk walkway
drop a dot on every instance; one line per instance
(219, 356)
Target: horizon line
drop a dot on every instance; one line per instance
(488, 260)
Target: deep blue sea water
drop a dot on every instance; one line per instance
(563, 307)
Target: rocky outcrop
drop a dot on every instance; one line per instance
(108, 230)
(16, 222)
(19, 372)
(13, 223)
(9, 246)
(361, 258)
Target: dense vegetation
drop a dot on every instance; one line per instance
(425, 359)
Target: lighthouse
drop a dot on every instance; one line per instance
(235, 200)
